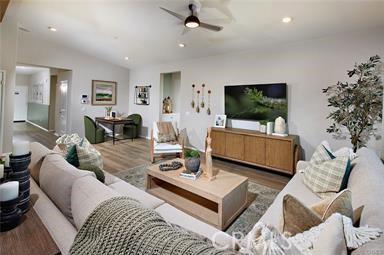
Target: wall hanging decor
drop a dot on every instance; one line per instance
(198, 100)
(202, 96)
(209, 103)
(193, 96)
(103, 92)
(142, 95)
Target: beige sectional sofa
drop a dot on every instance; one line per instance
(366, 183)
(85, 193)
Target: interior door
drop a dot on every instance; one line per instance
(63, 111)
(21, 103)
(62, 125)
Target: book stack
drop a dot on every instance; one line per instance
(190, 175)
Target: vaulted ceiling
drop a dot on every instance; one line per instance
(112, 30)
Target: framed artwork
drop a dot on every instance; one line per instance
(220, 121)
(103, 92)
(142, 95)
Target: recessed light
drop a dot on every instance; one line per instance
(181, 45)
(126, 58)
(52, 29)
(286, 19)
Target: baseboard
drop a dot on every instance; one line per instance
(34, 124)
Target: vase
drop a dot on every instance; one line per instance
(192, 164)
(280, 126)
(263, 128)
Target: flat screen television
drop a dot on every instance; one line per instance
(259, 102)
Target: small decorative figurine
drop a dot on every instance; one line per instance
(208, 158)
(167, 105)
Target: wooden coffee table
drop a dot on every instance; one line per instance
(217, 202)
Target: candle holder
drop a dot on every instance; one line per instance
(7, 172)
(20, 173)
(10, 214)
(19, 162)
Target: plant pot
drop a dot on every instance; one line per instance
(192, 164)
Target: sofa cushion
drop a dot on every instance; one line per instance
(175, 216)
(56, 179)
(326, 177)
(167, 147)
(95, 169)
(58, 226)
(87, 194)
(38, 153)
(126, 189)
(321, 154)
(340, 203)
(71, 156)
(331, 239)
(110, 178)
(296, 188)
(88, 156)
(366, 184)
(297, 217)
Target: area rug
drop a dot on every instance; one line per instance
(261, 197)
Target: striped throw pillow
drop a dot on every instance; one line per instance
(89, 156)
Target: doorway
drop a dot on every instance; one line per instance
(41, 100)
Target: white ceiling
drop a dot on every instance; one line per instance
(28, 70)
(111, 30)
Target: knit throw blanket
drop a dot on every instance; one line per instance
(121, 225)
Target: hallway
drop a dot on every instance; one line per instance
(25, 131)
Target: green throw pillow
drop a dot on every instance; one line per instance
(98, 172)
(71, 156)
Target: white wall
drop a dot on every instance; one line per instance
(8, 53)
(85, 68)
(307, 67)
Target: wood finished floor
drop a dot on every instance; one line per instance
(127, 154)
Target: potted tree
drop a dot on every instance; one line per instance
(358, 105)
(192, 160)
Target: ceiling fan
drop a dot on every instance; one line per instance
(192, 21)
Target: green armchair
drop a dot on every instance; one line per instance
(93, 132)
(133, 131)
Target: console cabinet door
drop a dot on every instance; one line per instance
(218, 143)
(254, 149)
(279, 154)
(234, 146)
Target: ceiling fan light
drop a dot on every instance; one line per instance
(192, 22)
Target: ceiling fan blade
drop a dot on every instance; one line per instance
(179, 16)
(211, 27)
